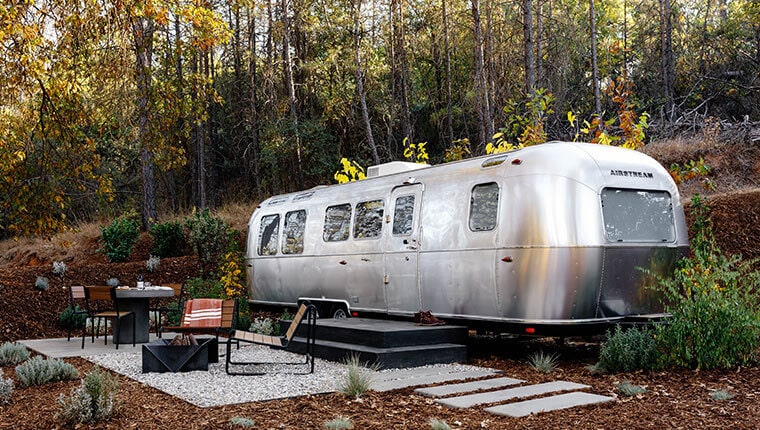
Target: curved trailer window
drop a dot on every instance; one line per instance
(369, 219)
(295, 224)
(269, 231)
(484, 207)
(638, 215)
(337, 223)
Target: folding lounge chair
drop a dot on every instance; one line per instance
(307, 311)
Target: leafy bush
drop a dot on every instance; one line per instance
(70, 319)
(207, 288)
(59, 268)
(119, 238)
(112, 282)
(242, 422)
(39, 371)
(262, 326)
(168, 239)
(152, 263)
(715, 319)
(208, 236)
(628, 350)
(6, 389)
(543, 362)
(12, 353)
(436, 424)
(93, 401)
(358, 378)
(627, 389)
(41, 283)
(339, 423)
(721, 395)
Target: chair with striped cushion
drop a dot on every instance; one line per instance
(209, 316)
(307, 312)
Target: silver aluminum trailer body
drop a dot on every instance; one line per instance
(550, 236)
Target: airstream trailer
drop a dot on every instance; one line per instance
(545, 240)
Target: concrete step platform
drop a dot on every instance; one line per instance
(402, 378)
(379, 333)
(501, 396)
(467, 387)
(545, 404)
(386, 343)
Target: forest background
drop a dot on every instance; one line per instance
(157, 106)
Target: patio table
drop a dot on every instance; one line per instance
(138, 301)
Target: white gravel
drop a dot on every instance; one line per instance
(215, 388)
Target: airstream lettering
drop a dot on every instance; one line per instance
(549, 239)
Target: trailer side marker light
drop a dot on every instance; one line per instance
(507, 259)
(516, 161)
(355, 314)
(530, 330)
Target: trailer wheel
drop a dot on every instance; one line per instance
(339, 312)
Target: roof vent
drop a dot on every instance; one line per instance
(393, 167)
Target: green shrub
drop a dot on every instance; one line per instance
(242, 422)
(93, 401)
(262, 326)
(358, 377)
(59, 268)
(6, 389)
(627, 389)
(436, 424)
(12, 353)
(339, 423)
(721, 395)
(209, 237)
(152, 263)
(628, 350)
(168, 239)
(206, 288)
(715, 319)
(69, 319)
(39, 371)
(119, 238)
(112, 282)
(41, 283)
(543, 362)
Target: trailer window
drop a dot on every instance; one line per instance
(403, 216)
(295, 224)
(369, 219)
(484, 207)
(268, 234)
(337, 223)
(638, 216)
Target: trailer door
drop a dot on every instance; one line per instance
(402, 288)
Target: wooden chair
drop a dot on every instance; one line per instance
(207, 316)
(78, 305)
(102, 303)
(164, 307)
(305, 311)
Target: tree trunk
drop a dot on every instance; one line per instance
(530, 68)
(360, 84)
(447, 49)
(290, 84)
(594, 61)
(253, 119)
(142, 32)
(402, 69)
(481, 86)
(540, 78)
(668, 71)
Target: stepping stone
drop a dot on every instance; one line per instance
(386, 381)
(465, 387)
(545, 404)
(511, 393)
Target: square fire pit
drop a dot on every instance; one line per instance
(159, 356)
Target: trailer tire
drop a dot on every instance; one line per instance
(338, 312)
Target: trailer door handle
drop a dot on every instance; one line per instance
(343, 262)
